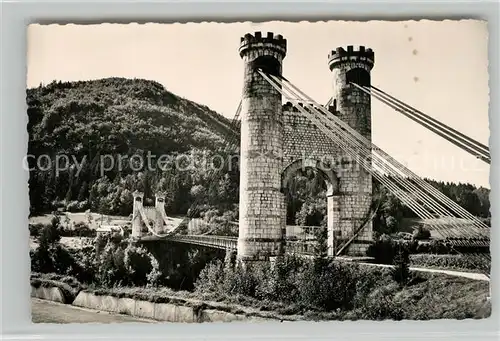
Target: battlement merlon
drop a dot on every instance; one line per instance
(160, 194)
(271, 41)
(290, 107)
(340, 55)
(138, 194)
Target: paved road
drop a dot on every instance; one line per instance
(50, 312)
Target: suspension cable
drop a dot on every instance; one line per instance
(458, 209)
(410, 201)
(399, 166)
(228, 143)
(484, 149)
(458, 141)
(351, 128)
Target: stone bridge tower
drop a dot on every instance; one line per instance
(352, 106)
(262, 205)
(277, 141)
(136, 214)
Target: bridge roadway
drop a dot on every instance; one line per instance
(231, 243)
(218, 242)
(228, 242)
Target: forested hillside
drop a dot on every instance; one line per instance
(121, 117)
(116, 117)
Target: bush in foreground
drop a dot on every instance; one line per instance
(474, 262)
(326, 289)
(319, 284)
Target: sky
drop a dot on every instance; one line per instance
(439, 67)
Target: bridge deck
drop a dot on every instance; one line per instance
(231, 243)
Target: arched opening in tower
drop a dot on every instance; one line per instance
(307, 188)
(268, 64)
(358, 76)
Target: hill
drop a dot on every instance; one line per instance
(86, 120)
(118, 115)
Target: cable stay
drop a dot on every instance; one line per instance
(407, 186)
(229, 144)
(338, 134)
(453, 136)
(436, 122)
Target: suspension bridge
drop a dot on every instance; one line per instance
(275, 140)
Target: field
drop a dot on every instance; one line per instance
(79, 217)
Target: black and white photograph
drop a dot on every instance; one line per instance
(256, 172)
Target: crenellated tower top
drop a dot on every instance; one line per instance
(361, 55)
(138, 194)
(273, 42)
(290, 107)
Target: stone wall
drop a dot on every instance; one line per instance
(48, 293)
(191, 312)
(261, 201)
(137, 225)
(349, 200)
(353, 106)
(275, 139)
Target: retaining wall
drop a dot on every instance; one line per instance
(50, 293)
(167, 312)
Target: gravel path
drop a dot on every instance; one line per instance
(471, 275)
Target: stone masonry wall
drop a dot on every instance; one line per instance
(348, 203)
(136, 216)
(275, 139)
(261, 202)
(354, 107)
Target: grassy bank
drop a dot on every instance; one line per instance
(460, 262)
(427, 296)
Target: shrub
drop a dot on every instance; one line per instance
(73, 206)
(137, 262)
(401, 270)
(35, 229)
(380, 304)
(50, 256)
(327, 285)
(80, 229)
(383, 250)
(118, 262)
(421, 233)
(50, 234)
(476, 262)
(434, 247)
(311, 284)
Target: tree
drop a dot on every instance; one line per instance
(83, 193)
(321, 247)
(401, 270)
(312, 212)
(470, 201)
(484, 197)
(51, 234)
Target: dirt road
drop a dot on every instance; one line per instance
(50, 312)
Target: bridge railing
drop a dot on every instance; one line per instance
(222, 242)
